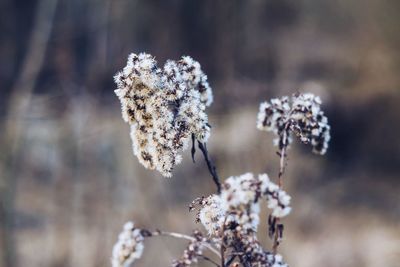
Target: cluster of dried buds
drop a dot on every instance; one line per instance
(239, 202)
(300, 114)
(192, 252)
(232, 217)
(164, 107)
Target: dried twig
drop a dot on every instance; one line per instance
(183, 236)
(277, 228)
(193, 151)
(210, 165)
(209, 260)
(230, 260)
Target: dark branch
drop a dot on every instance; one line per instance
(210, 165)
(209, 260)
(244, 262)
(193, 151)
(229, 261)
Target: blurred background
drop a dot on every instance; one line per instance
(69, 180)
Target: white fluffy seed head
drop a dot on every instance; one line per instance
(301, 115)
(164, 108)
(129, 246)
(239, 203)
(212, 215)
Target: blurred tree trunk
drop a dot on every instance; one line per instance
(17, 109)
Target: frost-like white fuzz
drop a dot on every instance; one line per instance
(239, 203)
(129, 246)
(248, 189)
(300, 114)
(164, 108)
(212, 215)
(195, 78)
(232, 217)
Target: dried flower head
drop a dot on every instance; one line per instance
(239, 204)
(164, 108)
(300, 114)
(212, 215)
(129, 246)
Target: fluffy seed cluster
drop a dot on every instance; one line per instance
(164, 107)
(129, 246)
(247, 190)
(211, 215)
(239, 202)
(300, 114)
(233, 216)
(192, 251)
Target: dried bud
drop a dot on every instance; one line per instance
(211, 215)
(238, 204)
(129, 246)
(302, 115)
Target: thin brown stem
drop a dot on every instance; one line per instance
(222, 243)
(193, 150)
(210, 165)
(282, 156)
(222, 255)
(187, 237)
(232, 258)
(282, 165)
(209, 260)
(276, 242)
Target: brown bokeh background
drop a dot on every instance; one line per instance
(68, 177)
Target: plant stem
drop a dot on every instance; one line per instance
(282, 165)
(208, 259)
(222, 255)
(229, 261)
(282, 156)
(193, 151)
(210, 165)
(187, 237)
(276, 241)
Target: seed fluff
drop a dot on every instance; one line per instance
(164, 107)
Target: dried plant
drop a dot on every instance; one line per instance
(165, 109)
